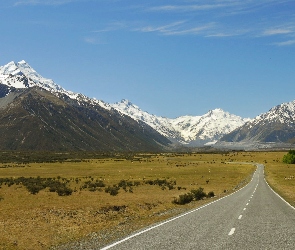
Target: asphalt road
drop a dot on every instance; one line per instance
(252, 218)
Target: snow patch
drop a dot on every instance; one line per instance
(22, 75)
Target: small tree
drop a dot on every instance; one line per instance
(290, 157)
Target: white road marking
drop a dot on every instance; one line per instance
(279, 195)
(175, 218)
(240, 217)
(244, 209)
(232, 231)
(247, 204)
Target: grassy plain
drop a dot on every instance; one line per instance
(45, 219)
(281, 177)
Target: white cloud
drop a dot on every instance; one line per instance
(113, 26)
(278, 31)
(286, 43)
(187, 7)
(162, 29)
(221, 34)
(42, 2)
(190, 31)
(93, 40)
(177, 28)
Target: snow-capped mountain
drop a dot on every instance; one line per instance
(22, 75)
(37, 114)
(190, 130)
(275, 126)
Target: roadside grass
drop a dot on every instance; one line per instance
(46, 219)
(281, 177)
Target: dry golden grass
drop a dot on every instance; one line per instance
(281, 178)
(43, 220)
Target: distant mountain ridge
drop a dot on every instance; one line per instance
(188, 130)
(275, 126)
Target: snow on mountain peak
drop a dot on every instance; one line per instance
(283, 113)
(22, 75)
(186, 129)
(22, 62)
(193, 130)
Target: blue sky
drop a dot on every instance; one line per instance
(170, 58)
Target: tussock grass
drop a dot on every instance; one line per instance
(46, 219)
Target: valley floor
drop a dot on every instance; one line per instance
(94, 211)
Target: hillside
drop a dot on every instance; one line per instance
(37, 114)
(275, 126)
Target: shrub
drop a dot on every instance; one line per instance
(93, 186)
(184, 199)
(34, 185)
(114, 190)
(290, 157)
(210, 194)
(198, 194)
(162, 183)
(63, 190)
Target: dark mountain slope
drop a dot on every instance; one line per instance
(35, 119)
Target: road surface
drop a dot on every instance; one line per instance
(252, 218)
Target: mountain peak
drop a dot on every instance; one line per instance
(193, 130)
(22, 75)
(126, 102)
(216, 111)
(22, 62)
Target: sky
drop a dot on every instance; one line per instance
(170, 58)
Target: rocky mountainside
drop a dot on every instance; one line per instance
(188, 130)
(37, 114)
(275, 126)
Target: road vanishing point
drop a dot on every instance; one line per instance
(254, 217)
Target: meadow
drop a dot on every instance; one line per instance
(54, 199)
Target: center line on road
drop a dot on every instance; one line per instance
(232, 231)
(247, 204)
(240, 217)
(244, 209)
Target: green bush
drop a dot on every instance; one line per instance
(34, 185)
(195, 194)
(63, 190)
(114, 190)
(198, 194)
(210, 194)
(184, 199)
(290, 157)
(93, 186)
(162, 183)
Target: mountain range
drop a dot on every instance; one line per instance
(277, 126)
(38, 114)
(187, 130)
